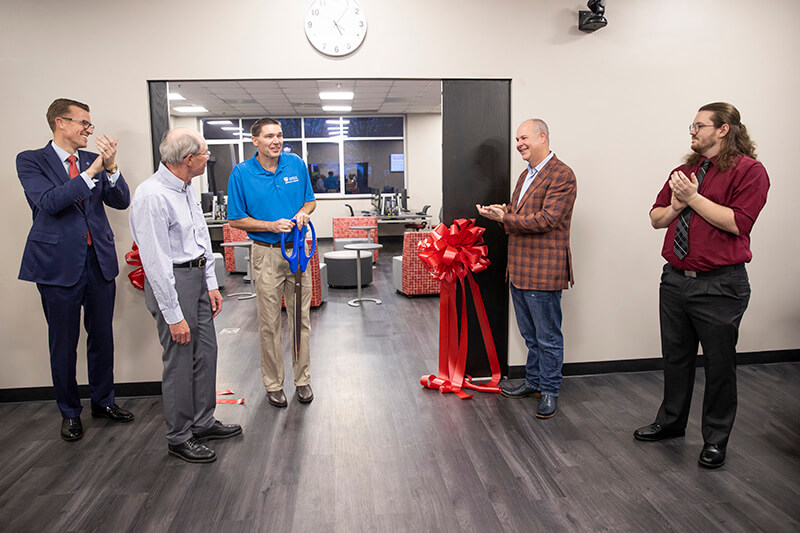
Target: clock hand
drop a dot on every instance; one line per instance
(344, 12)
(338, 27)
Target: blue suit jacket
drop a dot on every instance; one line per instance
(55, 253)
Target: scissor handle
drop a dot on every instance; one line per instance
(298, 256)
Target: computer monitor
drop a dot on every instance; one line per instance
(376, 200)
(207, 201)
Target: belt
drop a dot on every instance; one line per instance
(194, 263)
(707, 273)
(273, 245)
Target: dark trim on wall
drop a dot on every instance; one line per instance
(153, 388)
(644, 365)
(159, 116)
(37, 394)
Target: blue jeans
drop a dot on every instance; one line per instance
(539, 320)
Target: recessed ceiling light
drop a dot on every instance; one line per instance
(337, 108)
(190, 109)
(175, 96)
(336, 95)
(218, 122)
(231, 128)
(336, 121)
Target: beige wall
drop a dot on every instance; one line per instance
(618, 102)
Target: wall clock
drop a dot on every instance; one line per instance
(335, 27)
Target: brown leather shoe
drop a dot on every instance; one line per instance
(277, 398)
(304, 394)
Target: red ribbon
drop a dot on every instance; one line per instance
(452, 254)
(224, 392)
(236, 402)
(137, 275)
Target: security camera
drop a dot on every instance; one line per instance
(593, 20)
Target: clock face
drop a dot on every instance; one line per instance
(335, 27)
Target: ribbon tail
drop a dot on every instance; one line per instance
(461, 362)
(488, 339)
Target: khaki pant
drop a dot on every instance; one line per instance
(273, 279)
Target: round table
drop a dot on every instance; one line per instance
(368, 229)
(358, 246)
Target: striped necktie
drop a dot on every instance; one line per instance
(681, 244)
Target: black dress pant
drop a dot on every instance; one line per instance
(707, 310)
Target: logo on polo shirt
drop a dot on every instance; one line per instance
(290, 179)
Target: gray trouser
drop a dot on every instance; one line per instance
(190, 371)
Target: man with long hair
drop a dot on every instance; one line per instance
(708, 205)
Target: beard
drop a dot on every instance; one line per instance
(699, 147)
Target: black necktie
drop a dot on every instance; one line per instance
(681, 244)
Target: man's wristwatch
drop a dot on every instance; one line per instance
(113, 169)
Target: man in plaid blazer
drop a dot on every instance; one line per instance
(539, 260)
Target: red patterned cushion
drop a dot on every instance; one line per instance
(342, 225)
(230, 234)
(416, 278)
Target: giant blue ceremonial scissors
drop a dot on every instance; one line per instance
(298, 261)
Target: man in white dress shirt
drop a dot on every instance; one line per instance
(181, 293)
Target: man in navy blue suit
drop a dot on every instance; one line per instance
(70, 255)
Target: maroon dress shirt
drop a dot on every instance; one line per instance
(743, 188)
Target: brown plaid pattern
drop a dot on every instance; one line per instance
(341, 229)
(416, 278)
(539, 257)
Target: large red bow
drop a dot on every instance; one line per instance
(137, 275)
(452, 254)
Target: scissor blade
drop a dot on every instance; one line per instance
(298, 311)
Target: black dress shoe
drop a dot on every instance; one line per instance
(218, 430)
(548, 406)
(71, 429)
(655, 432)
(112, 412)
(712, 456)
(521, 391)
(304, 394)
(193, 452)
(277, 398)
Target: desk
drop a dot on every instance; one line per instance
(403, 218)
(215, 233)
(247, 277)
(358, 246)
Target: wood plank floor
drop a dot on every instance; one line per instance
(376, 452)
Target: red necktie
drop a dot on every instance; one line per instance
(74, 173)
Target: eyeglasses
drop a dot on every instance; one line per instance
(697, 127)
(207, 153)
(84, 124)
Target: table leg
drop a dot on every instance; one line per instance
(357, 301)
(247, 277)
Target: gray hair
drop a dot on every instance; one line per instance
(541, 126)
(178, 143)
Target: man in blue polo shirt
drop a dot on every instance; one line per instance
(264, 194)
